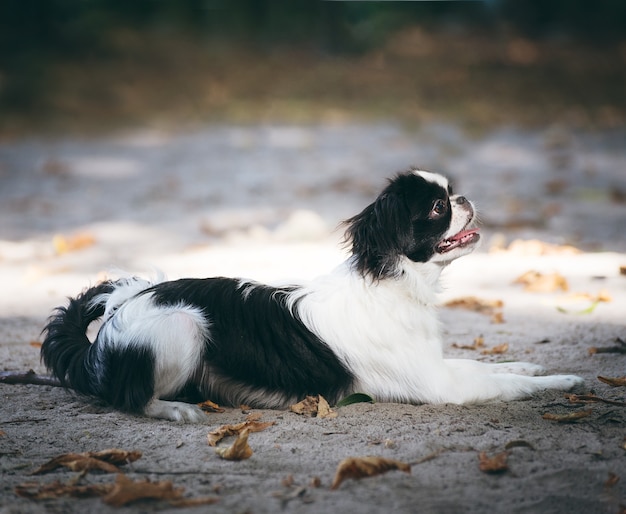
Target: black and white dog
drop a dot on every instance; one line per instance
(370, 326)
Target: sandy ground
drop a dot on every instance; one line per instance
(263, 202)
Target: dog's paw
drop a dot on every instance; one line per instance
(175, 411)
(520, 368)
(562, 382)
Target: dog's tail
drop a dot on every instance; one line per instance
(66, 345)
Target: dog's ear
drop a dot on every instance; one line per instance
(378, 235)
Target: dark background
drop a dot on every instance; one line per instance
(97, 64)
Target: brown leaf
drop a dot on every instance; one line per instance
(497, 318)
(239, 450)
(229, 430)
(567, 418)
(360, 467)
(209, 406)
(126, 491)
(495, 464)
(479, 342)
(313, 406)
(472, 303)
(103, 460)
(537, 282)
(496, 350)
(57, 489)
(613, 382)
(591, 398)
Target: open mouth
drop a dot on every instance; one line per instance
(461, 239)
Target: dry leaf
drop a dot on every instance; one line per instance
(495, 464)
(229, 430)
(209, 406)
(103, 460)
(57, 489)
(360, 467)
(613, 382)
(622, 270)
(63, 244)
(239, 450)
(497, 318)
(537, 282)
(35, 344)
(126, 491)
(567, 418)
(591, 398)
(2, 433)
(313, 406)
(479, 342)
(472, 303)
(496, 350)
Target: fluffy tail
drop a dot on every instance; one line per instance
(65, 347)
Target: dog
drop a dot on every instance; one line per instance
(370, 326)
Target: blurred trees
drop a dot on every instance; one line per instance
(37, 36)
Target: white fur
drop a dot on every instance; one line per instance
(388, 335)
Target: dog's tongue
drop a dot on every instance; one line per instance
(464, 234)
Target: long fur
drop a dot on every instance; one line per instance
(369, 326)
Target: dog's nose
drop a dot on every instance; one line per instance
(461, 200)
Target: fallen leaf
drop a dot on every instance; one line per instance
(567, 418)
(479, 342)
(239, 450)
(57, 489)
(2, 433)
(622, 270)
(126, 491)
(361, 467)
(472, 303)
(314, 406)
(493, 465)
(497, 318)
(229, 430)
(35, 344)
(65, 244)
(209, 406)
(496, 350)
(591, 398)
(613, 382)
(354, 398)
(315, 482)
(103, 460)
(536, 282)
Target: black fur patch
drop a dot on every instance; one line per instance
(255, 339)
(397, 224)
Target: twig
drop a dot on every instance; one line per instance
(27, 377)
(588, 398)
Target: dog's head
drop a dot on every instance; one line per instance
(416, 216)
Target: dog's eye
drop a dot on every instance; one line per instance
(439, 209)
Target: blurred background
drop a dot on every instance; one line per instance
(207, 137)
(98, 64)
